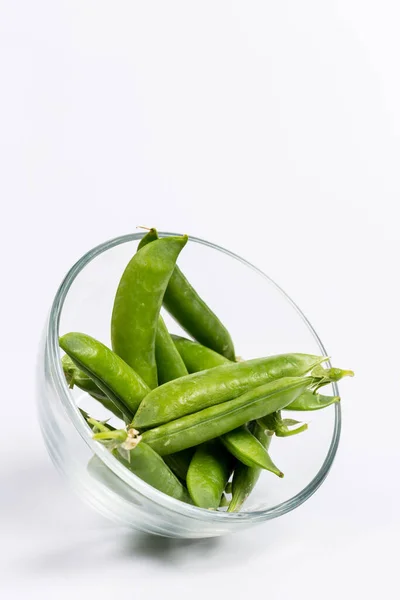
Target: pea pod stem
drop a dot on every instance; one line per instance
(280, 427)
(290, 432)
(99, 425)
(326, 376)
(118, 435)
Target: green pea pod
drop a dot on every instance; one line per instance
(169, 362)
(208, 474)
(197, 391)
(75, 376)
(275, 424)
(311, 401)
(144, 462)
(224, 501)
(179, 462)
(244, 477)
(110, 373)
(249, 450)
(214, 421)
(193, 314)
(197, 357)
(196, 317)
(150, 236)
(138, 302)
(169, 366)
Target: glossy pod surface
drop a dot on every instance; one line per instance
(75, 376)
(208, 474)
(244, 477)
(110, 373)
(192, 313)
(144, 462)
(196, 356)
(138, 302)
(179, 462)
(213, 422)
(207, 388)
(195, 316)
(244, 446)
(282, 427)
(169, 362)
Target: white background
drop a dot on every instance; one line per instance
(271, 128)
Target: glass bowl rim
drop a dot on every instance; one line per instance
(144, 489)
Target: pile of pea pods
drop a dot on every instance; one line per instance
(196, 423)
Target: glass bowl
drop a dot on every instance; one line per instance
(262, 320)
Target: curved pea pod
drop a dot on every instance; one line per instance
(76, 376)
(138, 302)
(150, 236)
(169, 362)
(179, 462)
(281, 427)
(110, 373)
(208, 474)
(244, 446)
(214, 421)
(196, 356)
(144, 462)
(138, 457)
(312, 401)
(197, 391)
(244, 477)
(193, 314)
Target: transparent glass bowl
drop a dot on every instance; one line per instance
(262, 320)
